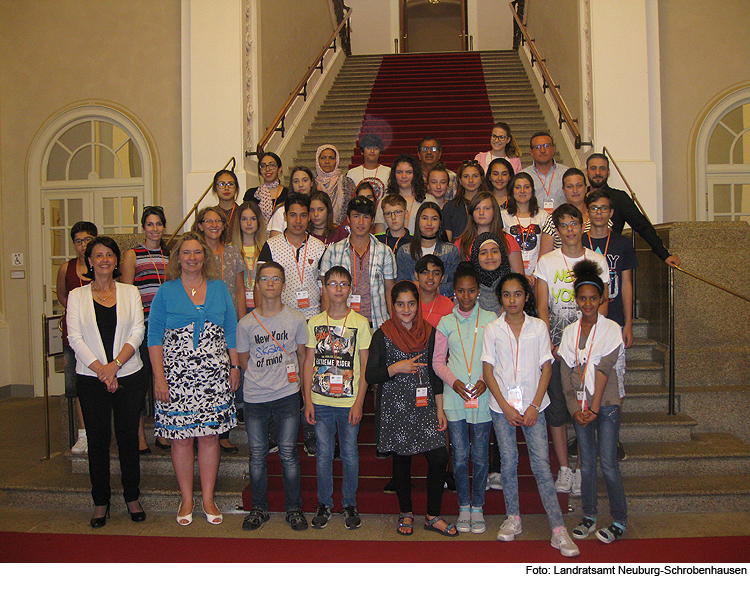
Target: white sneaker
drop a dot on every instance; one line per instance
(82, 445)
(487, 486)
(496, 481)
(575, 488)
(510, 528)
(564, 480)
(561, 540)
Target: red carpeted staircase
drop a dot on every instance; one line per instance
(374, 473)
(440, 95)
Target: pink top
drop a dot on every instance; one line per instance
(484, 159)
(440, 354)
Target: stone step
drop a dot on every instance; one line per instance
(644, 373)
(648, 399)
(655, 427)
(641, 350)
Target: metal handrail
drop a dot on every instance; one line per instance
(231, 162)
(300, 90)
(563, 114)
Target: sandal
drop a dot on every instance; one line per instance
(255, 519)
(401, 524)
(430, 526)
(464, 520)
(478, 525)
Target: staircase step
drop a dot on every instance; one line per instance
(637, 427)
(641, 350)
(644, 372)
(647, 399)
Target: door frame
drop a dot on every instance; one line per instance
(403, 45)
(38, 155)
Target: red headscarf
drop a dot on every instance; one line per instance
(409, 340)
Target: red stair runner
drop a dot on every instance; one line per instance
(440, 95)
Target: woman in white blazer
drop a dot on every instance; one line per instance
(105, 329)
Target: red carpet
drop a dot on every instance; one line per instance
(441, 95)
(30, 547)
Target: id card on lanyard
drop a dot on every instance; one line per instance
(581, 394)
(291, 369)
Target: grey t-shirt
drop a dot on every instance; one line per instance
(266, 377)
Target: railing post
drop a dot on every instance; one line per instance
(672, 409)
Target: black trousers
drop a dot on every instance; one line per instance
(437, 460)
(98, 406)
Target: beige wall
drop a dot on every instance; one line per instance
(56, 53)
(554, 27)
(704, 53)
(292, 33)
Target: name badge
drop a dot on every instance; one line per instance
(337, 384)
(249, 298)
(526, 256)
(421, 396)
(303, 299)
(355, 302)
(515, 397)
(549, 206)
(291, 373)
(581, 397)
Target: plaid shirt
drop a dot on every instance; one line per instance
(382, 267)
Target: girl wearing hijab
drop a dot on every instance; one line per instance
(333, 181)
(489, 255)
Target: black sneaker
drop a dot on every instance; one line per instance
(573, 447)
(296, 519)
(322, 517)
(390, 488)
(621, 455)
(382, 454)
(450, 481)
(256, 518)
(351, 518)
(240, 416)
(311, 446)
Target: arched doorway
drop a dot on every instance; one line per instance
(89, 163)
(431, 26)
(723, 160)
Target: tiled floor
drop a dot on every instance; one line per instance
(22, 446)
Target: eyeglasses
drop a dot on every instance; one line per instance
(540, 146)
(393, 214)
(361, 201)
(428, 148)
(150, 208)
(499, 138)
(572, 225)
(335, 284)
(79, 241)
(269, 166)
(266, 279)
(211, 222)
(227, 184)
(470, 163)
(599, 208)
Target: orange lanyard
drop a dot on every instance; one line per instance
(565, 260)
(296, 261)
(552, 178)
(355, 257)
(330, 334)
(524, 231)
(158, 274)
(395, 248)
(473, 347)
(588, 357)
(606, 246)
(270, 335)
(431, 307)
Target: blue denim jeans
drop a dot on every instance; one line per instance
(600, 437)
(460, 432)
(285, 412)
(538, 447)
(329, 419)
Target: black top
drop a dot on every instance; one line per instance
(250, 196)
(106, 320)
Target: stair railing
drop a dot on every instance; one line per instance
(670, 270)
(563, 113)
(231, 162)
(277, 125)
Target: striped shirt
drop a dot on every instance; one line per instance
(150, 273)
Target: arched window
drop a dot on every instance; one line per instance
(723, 160)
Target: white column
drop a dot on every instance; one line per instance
(626, 94)
(213, 89)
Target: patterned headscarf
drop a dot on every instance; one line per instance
(331, 182)
(489, 277)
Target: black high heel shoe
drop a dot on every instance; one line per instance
(97, 522)
(136, 516)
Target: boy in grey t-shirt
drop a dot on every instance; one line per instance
(271, 345)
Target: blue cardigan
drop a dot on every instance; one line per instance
(172, 308)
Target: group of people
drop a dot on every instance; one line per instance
(282, 311)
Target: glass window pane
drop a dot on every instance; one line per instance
(128, 213)
(58, 159)
(741, 153)
(742, 198)
(104, 163)
(80, 165)
(734, 120)
(108, 210)
(57, 243)
(722, 198)
(103, 133)
(76, 136)
(719, 146)
(75, 210)
(56, 212)
(130, 160)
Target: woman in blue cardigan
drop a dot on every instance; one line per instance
(191, 342)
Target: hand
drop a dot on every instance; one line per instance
(355, 414)
(234, 379)
(513, 417)
(112, 385)
(161, 389)
(407, 365)
(673, 261)
(479, 388)
(554, 353)
(627, 335)
(310, 414)
(442, 421)
(107, 372)
(530, 417)
(580, 419)
(460, 388)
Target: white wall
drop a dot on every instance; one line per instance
(490, 24)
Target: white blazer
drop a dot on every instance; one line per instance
(83, 332)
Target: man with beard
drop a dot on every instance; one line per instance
(547, 173)
(429, 152)
(624, 209)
